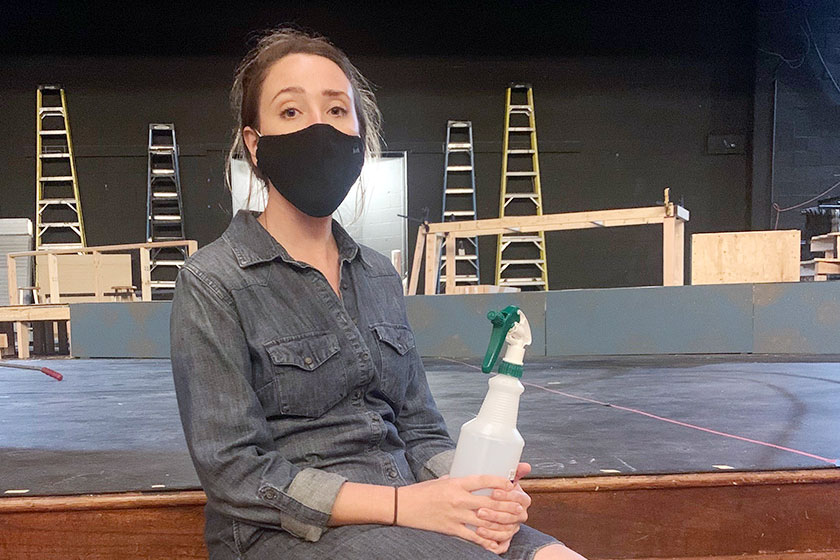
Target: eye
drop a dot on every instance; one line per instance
(338, 111)
(289, 113)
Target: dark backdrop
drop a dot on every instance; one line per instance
(626, 100)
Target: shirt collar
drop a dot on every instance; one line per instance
(252, 244)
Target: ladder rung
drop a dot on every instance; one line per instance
(48, 201)
(459, 168)
(459, 191)
(459, 213)
(521, 282)
(58, 178)
(59, 224)
(461, 278)
(521, 238)
(520, 108)
(520, 151)
(55, 155)
(520, 129)
(521, 173)
(162, 283)
(164, 194)
(53, 132)
(522, 261)
(520, 195)
(166, 238)
(163, 171)
(453, 146)
(46, 246)
(162, 147)
(167, 218)
(458, 124)
(167, 263)
(51, 109)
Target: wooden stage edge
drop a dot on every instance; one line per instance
(785, 515)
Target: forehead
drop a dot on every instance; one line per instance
(312, 73)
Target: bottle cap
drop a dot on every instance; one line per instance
(514, 370)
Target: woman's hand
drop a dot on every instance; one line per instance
(447, 505)
(506, 525)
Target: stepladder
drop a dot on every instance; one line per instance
(459, 191)
(520, 257)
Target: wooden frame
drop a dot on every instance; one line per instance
(52, 262)
(22, 315)
(670, 215)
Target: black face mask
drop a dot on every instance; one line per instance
(312, 168)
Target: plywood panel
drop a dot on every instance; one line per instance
(77, 273)
(745, 257)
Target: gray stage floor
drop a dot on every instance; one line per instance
(112, 425)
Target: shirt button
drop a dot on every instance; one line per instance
(344, 285)
(366, 356)
(307, 360)
(392, 473)
(285, 408)
(269, 493)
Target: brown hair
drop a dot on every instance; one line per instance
(251, 72)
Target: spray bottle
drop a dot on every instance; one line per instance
(490, 442)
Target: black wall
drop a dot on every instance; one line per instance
(797, 109)
(619, 118)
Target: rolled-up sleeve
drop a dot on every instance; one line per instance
(226, 431)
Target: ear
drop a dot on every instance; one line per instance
(250, 137)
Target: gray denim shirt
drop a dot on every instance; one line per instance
(286, 391)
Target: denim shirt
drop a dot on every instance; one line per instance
(286, 391)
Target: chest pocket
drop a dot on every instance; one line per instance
(394, 343)
(308, 379)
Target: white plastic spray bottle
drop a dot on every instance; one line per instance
(490, 442)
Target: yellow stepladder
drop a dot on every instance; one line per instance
(520, 258)
(58, 216)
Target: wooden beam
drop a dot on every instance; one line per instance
(22, 336)
(97, 275)
(12, 280)
(145, 275)
(415, 264)
(189, 243)
(41, 312)
(432, 257)
(555, 222)
(450, 264)
(52, 271)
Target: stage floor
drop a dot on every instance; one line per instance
(113, 426)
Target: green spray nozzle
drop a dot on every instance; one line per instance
(502, 322)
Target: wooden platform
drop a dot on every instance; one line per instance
(790, 515)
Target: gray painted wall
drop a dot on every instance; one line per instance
(793, 318)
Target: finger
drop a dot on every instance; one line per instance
(519, 497)
(474, 537)
(504, 506)
(481, 481)
(501, 517)
(503, 547)
(522, 470)
(497, 536)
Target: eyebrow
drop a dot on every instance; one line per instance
(298, 89)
